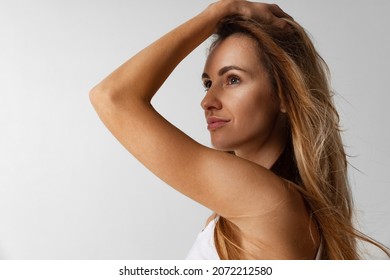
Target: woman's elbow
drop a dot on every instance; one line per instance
(105, 98)
(102, 95)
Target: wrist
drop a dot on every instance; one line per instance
(221, 9)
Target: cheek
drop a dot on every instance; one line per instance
(256, 115)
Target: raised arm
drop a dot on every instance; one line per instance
(222, 182)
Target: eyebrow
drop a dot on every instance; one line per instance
(223, 70)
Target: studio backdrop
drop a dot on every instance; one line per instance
(69, 190)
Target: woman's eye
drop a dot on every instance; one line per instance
(207, 84)
(233, 80)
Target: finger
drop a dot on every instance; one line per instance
(278, 12)
(282, 24)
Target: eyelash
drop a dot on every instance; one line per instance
(207, 83)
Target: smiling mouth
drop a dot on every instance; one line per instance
(214, 123)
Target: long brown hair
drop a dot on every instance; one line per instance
(315, 154)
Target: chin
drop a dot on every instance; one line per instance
(224, 147)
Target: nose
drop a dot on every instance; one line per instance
(211, 101)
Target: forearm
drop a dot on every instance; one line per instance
(140, 77)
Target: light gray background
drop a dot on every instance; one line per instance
(68, 190)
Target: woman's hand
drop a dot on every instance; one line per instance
(269, 13)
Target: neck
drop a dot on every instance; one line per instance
(267, 152)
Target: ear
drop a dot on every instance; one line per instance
(282, 108)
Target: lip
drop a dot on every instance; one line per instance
(214, 122)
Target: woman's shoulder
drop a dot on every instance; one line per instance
(286, 230)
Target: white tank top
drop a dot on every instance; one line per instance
(204, 246)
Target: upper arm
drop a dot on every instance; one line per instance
(226, 184)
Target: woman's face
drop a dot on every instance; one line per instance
(240, 106)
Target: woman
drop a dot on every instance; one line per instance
(277, 176)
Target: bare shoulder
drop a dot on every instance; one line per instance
(284, 231)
